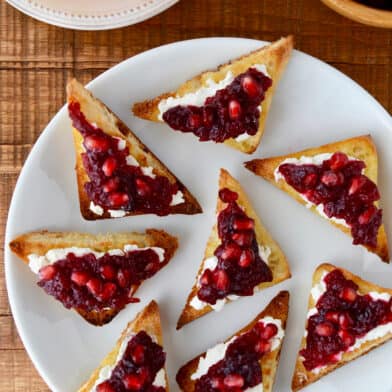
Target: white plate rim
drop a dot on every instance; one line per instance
(51, 126)
(89, 22)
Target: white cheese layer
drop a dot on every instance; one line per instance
(211, 263)
(36, 262)
(218, 352)
(198, 97)
(312, 160)
(106, 371)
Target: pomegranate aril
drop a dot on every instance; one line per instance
(80, 277)
(143, 189)
(143, 374)
(250, 86)
(205, 279)
(338, 160)
(132, 382)
(123, 278)
(231, 251)
(345, 321)
(194, 121)
(118, 199)
(324, 329)
(234, 381)
(111, 185)
(348, 294)
(217, 383)
(356, 184)
(234, 109)
(47, 273)
(221, 280)
(108, 291)
(108, 272)
(138, 354)
(227, 195)
(109, 166)
(367, 216)
(263, 346)
(332, 316)
(243, 224)
(95, 286)
(269, 331)
(330, 178)
(242, 239)
(246, 259)
(347, 339)
(96, 143)
(105, 387)
(310, 180)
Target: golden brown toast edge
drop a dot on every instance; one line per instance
(277, 308)
(41, 241)
(147, 320)
(275, 56)
(302, 377)
(361, 147)
(97, 112)
(277, 260)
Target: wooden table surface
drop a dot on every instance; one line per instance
(37, 59)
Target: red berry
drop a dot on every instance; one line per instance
(227, 195)
(310, 180)
(332, 316)
(231, 251)
(221, 280)
(108, 291)
(105, 387)
(234, 381)
(347, 339)
(356, 184)
(123, 278)
(263, 346)
(142, 187)
(242, 239)
(367, 216)
(108, 272)
(95, 286)
(324, 329)
(269, 331)
(111, 185)
(205, 279)
(250, 86)
(132, 382)
(338, 160)
(243, 224)
(345, 321)
(138, 354)
(330, 178)
(194, 121)
(234, 109)
(47, 273)
(96, 143)
(80, 277)
(109, 166)
(246, 259)
(118, 199)
(348, 294)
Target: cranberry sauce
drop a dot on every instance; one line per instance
(345, 193)
(343, 316)
(137, 369)
(92, 283)
(231, 112)
(240, 368)
(115, 184)
(240, 267)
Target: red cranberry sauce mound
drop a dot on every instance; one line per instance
(240, 267)
(338, 184)
(343, 316)
(137, 369)
(92, 283)
(231, 112)
(113, 183)
(240, 368)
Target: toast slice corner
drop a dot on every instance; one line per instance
(360, 147)
(278, 308)
(275, 56)
(97, 112)
(277, 260)
(301, 376)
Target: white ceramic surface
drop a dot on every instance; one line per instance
(92, 14)
(314, 104)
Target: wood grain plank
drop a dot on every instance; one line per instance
(9, 338)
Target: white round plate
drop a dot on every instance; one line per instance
(92, 14)
(314, 104)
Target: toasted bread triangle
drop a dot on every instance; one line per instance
(278, 308)
(41, 242)
(303, 377)
(147, 320)
(96, 112)
(361, 147)
(277, 260)
(275, 56)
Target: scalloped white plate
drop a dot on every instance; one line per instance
(314, 104)
(92, 14)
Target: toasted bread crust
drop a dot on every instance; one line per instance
(147, 320)
(277, 260)
(275, 56)
(97, 112)
(41, 241)
(361, 147)
(303, 377)
(278, 309)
